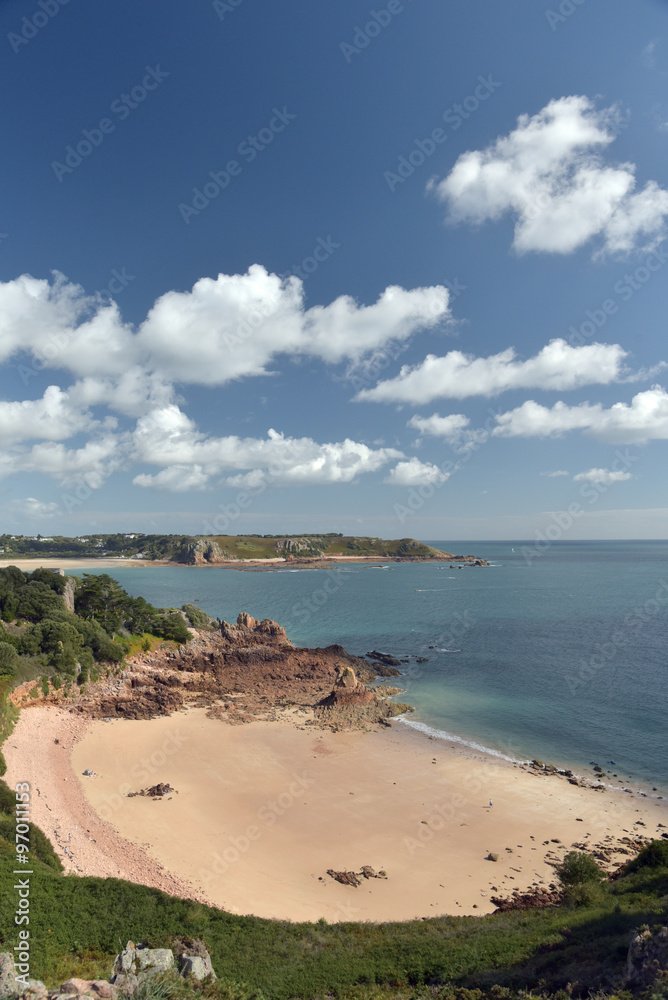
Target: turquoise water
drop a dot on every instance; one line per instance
(562, 656)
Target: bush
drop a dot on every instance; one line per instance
(653, 855)
(197, 617)
(3, 764)
(173, 627)
(584, 894)
(578, 868)
(8, 659)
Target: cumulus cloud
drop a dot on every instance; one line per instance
(413, 472)
(224, 328)
(169, 438)
(644, 419)
(550, 175)
(54, 417)
(556, 474)
(601, 477)
(457, 375)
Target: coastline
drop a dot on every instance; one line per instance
(111, 562)
(262, 810)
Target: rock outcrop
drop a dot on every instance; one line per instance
(352, 704)
(241, 671)
(648, 956)
(201, 552)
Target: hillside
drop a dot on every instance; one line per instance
(212, 549)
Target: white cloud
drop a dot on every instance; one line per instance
(169, 438)
(549, 174)
(32, 507)
(644, 419)
(54, 417)
(449, 427)
(223, 329)
(456, 375)
(176, 479)
(602, 477)
(556, 474)
(413, 472)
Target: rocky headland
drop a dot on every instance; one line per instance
(241, 672)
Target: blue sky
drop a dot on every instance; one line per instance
(390, 270)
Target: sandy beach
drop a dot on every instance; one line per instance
(261, 811)
(110, 562)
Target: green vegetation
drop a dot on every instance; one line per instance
(179, 548)
(82, 919)
(40, 849)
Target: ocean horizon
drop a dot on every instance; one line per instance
(556, 652)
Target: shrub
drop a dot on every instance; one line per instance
(197, 617)
(578, 868)
(173, 627)
(653, 855)
(45, 686)
(3, 763)
(584, 893)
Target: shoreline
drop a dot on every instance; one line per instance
(267, 565)
(279, 803)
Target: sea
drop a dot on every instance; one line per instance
(558, 652)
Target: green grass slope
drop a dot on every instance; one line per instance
(78, 923)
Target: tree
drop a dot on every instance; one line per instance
(60, 640)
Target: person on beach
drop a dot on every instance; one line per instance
(490, 803)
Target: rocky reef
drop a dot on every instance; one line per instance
(243, 671)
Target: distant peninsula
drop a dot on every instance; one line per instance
(230, 550)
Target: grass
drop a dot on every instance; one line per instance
(79, 924)
(147, 643)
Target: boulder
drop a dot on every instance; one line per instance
(648, 956)
(8, 984)
(102, 989)
(197, 967)
(137, 962)
(76, 987)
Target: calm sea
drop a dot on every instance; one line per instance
(561, 656)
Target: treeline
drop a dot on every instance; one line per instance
(38, 623)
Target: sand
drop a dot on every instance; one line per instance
(262, 811)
